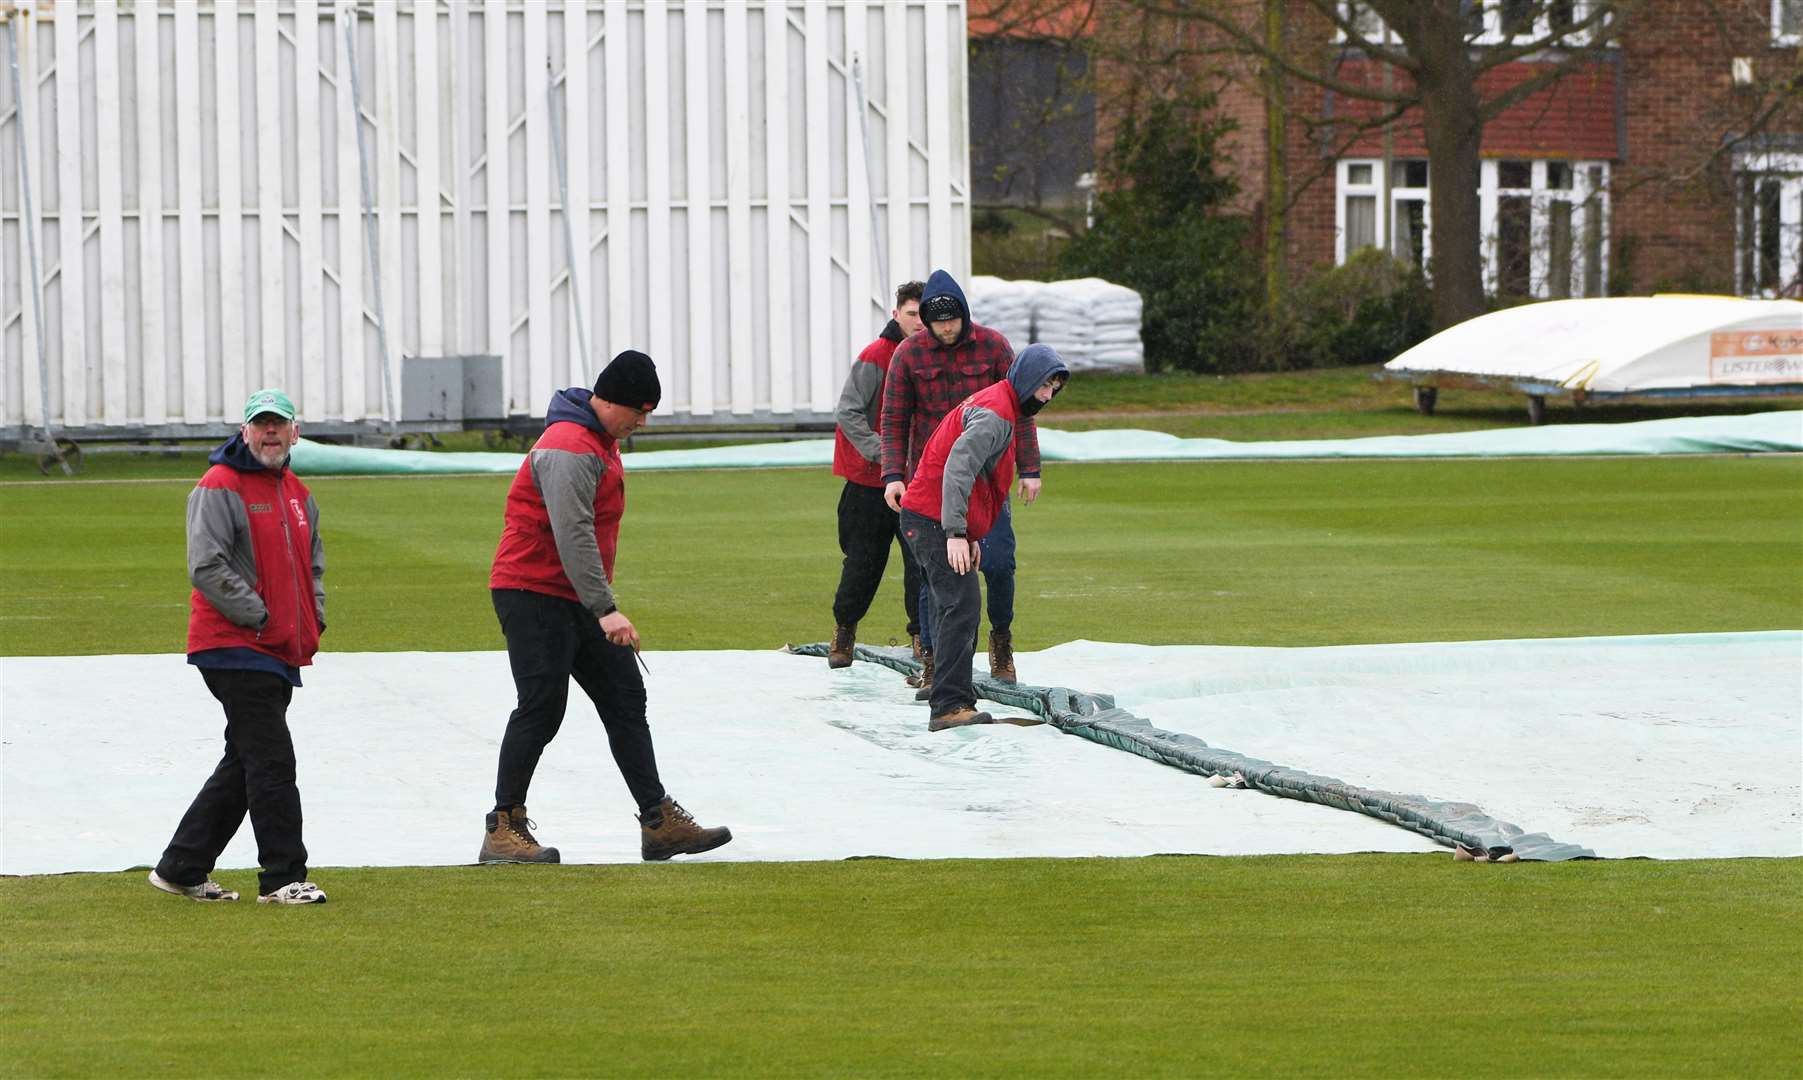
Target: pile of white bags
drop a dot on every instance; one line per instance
(1005, 307)
(1094, 324)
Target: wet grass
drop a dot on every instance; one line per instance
(1245, 553)
(1372, 965)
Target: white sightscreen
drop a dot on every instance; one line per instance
(197, 197)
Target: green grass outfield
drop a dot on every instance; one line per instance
(1363, 965)
(1378, 965)
(1278, 553)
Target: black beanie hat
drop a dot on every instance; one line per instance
(631, 380)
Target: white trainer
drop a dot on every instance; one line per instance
(205, 892)
(295, 892)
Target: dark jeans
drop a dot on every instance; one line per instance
(956, 604)
(867, 529)
(549, 641)
(998, 574)
(256, 776)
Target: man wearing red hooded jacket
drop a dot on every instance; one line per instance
(957, 494)
(552, 588)
(255, 616)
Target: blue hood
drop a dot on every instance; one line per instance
(943, 284)
(571, 406)
(235, 453)
(1033, 366)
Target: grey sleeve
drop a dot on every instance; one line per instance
(220, 563)
(319, 564)
(985, 439)
(858, 404)
(568, 481)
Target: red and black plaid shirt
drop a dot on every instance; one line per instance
(927, 379)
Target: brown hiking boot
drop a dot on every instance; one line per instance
(924, 679)
(962, 716)
(667, 829)
(845, 639)
(918, 653)
(1001, 655)
(509, 840)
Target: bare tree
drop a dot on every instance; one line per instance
(1433, 47)
(1436, 59)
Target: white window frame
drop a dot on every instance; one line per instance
(1345, 188)
(1492, 32)
(1779, 37)
(1386, 209)
(1586, 196)
(1787, 169)
(1384, 35)
(1542, 26)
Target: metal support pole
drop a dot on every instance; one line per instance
(28, 216)
(876, 233)
(374, 246)
(569, 230)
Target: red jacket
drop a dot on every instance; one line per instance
(989, 491)
(275, 557)
(573, 457)
(860, 411)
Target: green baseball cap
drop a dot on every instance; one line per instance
(268, 401)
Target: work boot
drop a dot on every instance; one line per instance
(509, 840)
(962, 716)
(1001, 655)
(924, 680)
(918, 652)
(845, 639)
(667, 829)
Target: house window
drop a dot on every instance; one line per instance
(1364, 217)
(1511, 22)
(1355, 215)
(1543, 223)
(1368, 23)
(1769, 224)
(1787, 22)
(1408, 211)
(1544, 227)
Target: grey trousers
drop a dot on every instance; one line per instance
(957, 607)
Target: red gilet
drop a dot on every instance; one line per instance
(527, 556)
(847, 462)
(281, 541)
(989, 493)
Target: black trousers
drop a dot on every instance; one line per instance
(957, 606)
(256, 776)
(867, 528)
(550, 641)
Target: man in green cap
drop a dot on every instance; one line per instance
(255, 616)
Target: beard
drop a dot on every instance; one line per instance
(270, 457)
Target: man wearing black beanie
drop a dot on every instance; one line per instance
(552, 588)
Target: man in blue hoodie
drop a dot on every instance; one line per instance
(958, 494)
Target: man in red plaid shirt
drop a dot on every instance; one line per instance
(929, 374)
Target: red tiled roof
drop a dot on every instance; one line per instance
(1572, 118)
(1030, 18)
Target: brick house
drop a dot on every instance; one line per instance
(1633, 173)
